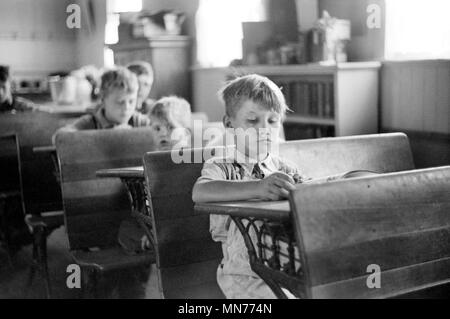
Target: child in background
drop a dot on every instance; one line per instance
(256, 106)
(170, 121)
(117, 109)
(8, 102)
(144, 73)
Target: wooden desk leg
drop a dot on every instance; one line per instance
(140, 209)
(56, 167)
(275, 274)
(253, 256)
(5, 229)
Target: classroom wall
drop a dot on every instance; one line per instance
(415, 95)
(366, 44)
(35, 40)
(307, 13)
(415, 99)
(34, 37)
(90, 38)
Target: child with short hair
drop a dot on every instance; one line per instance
(170, 121)
(9, 102)
(117, 109)
(255, 106)
(144, 73)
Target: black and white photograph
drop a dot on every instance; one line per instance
(224, 153)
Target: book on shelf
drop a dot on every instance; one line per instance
(318, 132)
(287, 92)
(305, 98)
(313, 99)
(329, 100)
(320, 99)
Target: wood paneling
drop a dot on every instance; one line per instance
(398, 221)
(415, 96)
(95, 207)
(184, 247)
(324, 157)
(40, 187)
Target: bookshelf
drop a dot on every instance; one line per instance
(326, 101)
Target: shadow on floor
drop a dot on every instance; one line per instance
(13, 280)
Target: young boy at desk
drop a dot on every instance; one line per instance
(117, 109)
(144, 73)
(256, 106)
(171, 119)
(8, 102)
(170, 122)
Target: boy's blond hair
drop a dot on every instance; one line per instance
(173, 110)
(119, 78)
(256, 88)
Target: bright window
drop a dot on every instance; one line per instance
(114, 8)
(118, 6)
(417, 29)
(219, 29)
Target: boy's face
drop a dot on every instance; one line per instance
(120, 105)
(145, 86)
(5, 91)
(167, 135)
(257, 129)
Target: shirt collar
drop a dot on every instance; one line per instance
(249, 163)
(102, 121)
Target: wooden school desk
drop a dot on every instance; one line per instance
(134, 181)
(272, 250)
(50, 150)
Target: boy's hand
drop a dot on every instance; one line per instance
(122, 126)
(145, 243)
(275, 186)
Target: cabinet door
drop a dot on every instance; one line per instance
(170, 65)
(125, 57)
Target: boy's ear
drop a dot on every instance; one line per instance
(227, 122)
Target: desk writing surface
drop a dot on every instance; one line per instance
(44, 149)
(76, 109)
(262, 209)
(123, 172)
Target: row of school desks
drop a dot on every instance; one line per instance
(241, 212)
(278, 214)
(35, 141)
(34, 130)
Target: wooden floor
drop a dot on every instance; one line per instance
(13, 280)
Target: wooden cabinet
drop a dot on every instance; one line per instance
(170, 58)
(337, 100)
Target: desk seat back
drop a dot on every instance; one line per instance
(94, 207)
(36, 129)
(382, 153)
(10, 180)
(399, 222)
(186, 256)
